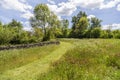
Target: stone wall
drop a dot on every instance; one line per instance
(28, 45)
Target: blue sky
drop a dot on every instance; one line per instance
(106, 10)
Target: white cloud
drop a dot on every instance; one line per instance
(114, 26)
(67, 8)
(109, 4)
(90, 4)
(17, 5)
(63, 9)
(27, 26)
(91, 16)
(27, 15)
(118, 7)
(51, 1)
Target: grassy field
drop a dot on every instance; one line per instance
(89, 60)
(73, 59)
(27, 64)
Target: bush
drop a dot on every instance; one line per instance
(5, 36)
(95, 33)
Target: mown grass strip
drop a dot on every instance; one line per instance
(32, 70)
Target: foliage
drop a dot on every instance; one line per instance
(45, 19)
(5, 35)
(15, 24)
(95, 22)
(95, 33)
(65, 24)
(80, 23)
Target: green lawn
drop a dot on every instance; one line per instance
(73, 59)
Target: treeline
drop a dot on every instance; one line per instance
(46, 25)
(13, 33)
(84, 27)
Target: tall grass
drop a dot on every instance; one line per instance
(93, 59)
(16, 58)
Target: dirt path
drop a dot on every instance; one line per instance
(32, 70)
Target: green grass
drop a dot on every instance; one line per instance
(93, 59)
(73, 59)
(40, 60)
(16, 58)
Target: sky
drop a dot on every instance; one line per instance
(21, 10)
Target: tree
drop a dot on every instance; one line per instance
(15, 24)
(65, 24)
(0, 23)
(95, 22)
(5, 35)
(80, 23)
(38, 34)
(82, 26)
(75, 19)
(43, 18)
(96, 32)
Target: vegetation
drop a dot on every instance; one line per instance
(27, 64)
(87, 60)
(73, 59)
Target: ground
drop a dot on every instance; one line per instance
(73, 59)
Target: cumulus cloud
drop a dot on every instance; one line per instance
(51, 1)
(27, 15)
(91, 16)
(109, 4)
(27, 26)
(118, 7)
(91, 4)
(63, 9)
(17, 5)
(67, 8)
(114, 26)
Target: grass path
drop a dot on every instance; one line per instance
(34, 69)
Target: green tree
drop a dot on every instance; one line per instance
(80, 23)
(15, 24)
(5, 35)
(0, 23)
(38, 34)
(75, 19)
(95, 22)
(96, 32)
(44, 18)
(82, 26)
(65, 24)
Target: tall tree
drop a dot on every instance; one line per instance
(95, 22)
(65, 24)
(43, 18)
(82, 26)
(75, 19)
(80, 23)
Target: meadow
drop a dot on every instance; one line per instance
(90, 59)
(73, 59)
